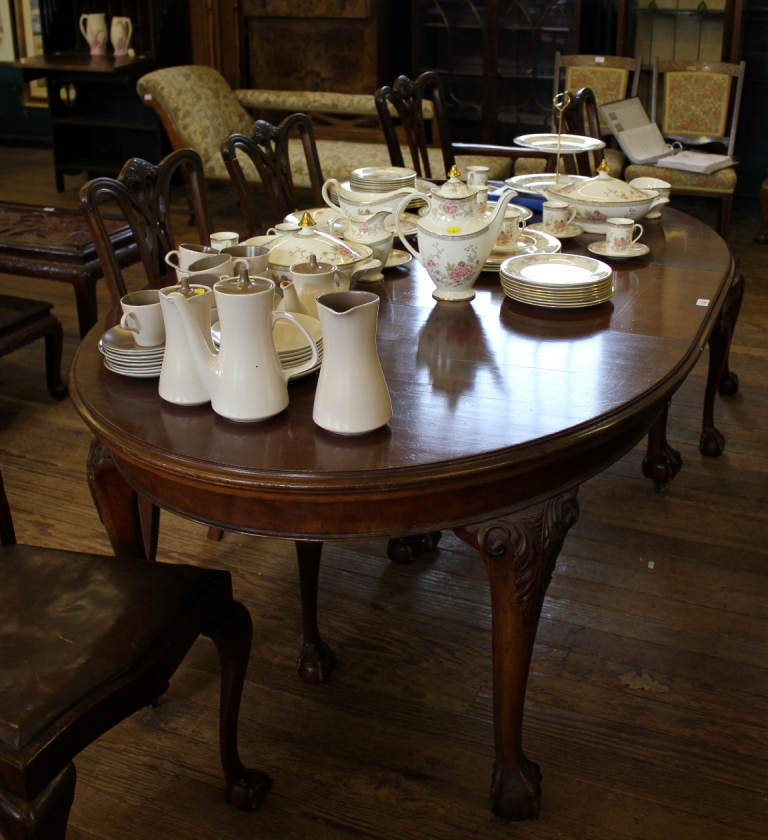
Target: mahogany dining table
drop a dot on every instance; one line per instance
(501, 410)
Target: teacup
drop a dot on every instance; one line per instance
(255, 256)
(511, 227)
(224, 239)
(183, 257)
(556, 216)
(651, 185)
(218, 264)
(619, 236)
(283, 228)
(477, 176)
(143, 316)
(482, 199)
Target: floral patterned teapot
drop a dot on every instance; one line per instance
(455, 237)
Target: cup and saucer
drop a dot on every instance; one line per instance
(568, 232)
(637, 249)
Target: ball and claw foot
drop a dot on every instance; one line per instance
(516, 793)
(712, 442)
(729, 384)
(316, 662)
(407, 550)
(249, 792)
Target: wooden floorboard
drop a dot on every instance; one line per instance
(648, 697)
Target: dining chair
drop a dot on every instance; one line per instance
(697, 103)
(607, 76)
(401, 112)
(87, 640)
(266, 151)
(581, 117)
(142, 193)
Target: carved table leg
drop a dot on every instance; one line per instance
(762, 235)
(661, 463)
(407, 550)
(316, 660)
(719, 377)
(54, 344)
(519, 552)
(45, 818)
(118, 506)
(85, 299)
(246, 789)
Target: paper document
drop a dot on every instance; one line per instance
(639, 138)
(701, 162)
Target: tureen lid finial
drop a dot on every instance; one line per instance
(604, 166)
(454, 173)
(307, 220)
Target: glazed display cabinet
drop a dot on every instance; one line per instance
(496, 59)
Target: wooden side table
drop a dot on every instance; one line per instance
(56, 244)
(23, 321)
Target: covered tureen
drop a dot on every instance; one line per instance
(604, 197)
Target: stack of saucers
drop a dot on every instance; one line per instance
(293, 349)
(122, 355)
(560, 281)
(381, 179)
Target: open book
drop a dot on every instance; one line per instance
(642, 141)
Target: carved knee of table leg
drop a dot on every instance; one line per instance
(116, 503)
(246, 789)
(45, 818)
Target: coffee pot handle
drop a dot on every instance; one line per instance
(326, 197)
(297, 371)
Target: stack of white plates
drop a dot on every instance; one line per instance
(122, 355)
(381, 179)
(561, 281)
(293, 349)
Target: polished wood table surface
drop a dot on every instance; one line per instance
(501, 410)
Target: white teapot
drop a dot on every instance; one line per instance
(245, 380)
(455, 237)
(375, 232)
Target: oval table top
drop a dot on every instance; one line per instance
(495, 404)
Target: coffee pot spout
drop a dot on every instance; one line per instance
(205, 361)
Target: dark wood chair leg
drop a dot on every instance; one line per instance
(406, 550)
(724, 222)
(45, 818)
(762, 235)
(117, 504)
(54, 344)
(712, 442)
(246, 789)
(85, 299)
(519, 552)
(316, 660)
(661, 463)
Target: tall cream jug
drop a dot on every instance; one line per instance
(352, 396)
(94, 29)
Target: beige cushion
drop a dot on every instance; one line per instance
(338, 157)
(722, 182)
(532, 166)
(324, 102)
(200, 104)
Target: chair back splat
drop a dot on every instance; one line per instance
(267, 149)
(142, 192)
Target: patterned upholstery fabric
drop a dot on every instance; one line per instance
(609, 84)
(301, 101)
(532, 166)
(696, 103)
(201, 105)
(722, 182)
(338, 157)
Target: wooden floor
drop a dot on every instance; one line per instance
(648, 696)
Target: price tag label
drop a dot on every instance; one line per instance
(453, 230)
(702, 302)
(599, 59)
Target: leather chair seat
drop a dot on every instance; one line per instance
(70, 622)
